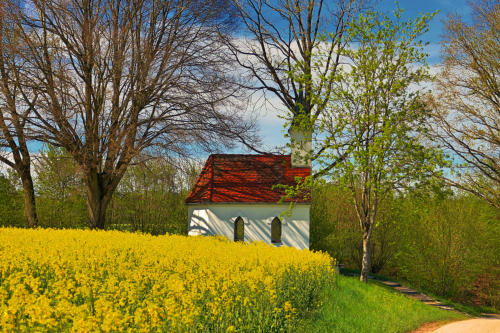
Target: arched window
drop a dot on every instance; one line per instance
(276, 231)
(239, 230)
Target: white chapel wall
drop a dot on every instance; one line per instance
(218, 219)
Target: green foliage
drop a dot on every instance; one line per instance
(335, 228)
(150, 198)
(451, 248)
(358, 307)
(375, 117)
(60, 191)
(308, 299)
(11, 204)
(380, 114)
(443, 243)
(370, 138)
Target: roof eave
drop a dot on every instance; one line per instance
(246, 203)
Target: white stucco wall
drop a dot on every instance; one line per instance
(218, 219)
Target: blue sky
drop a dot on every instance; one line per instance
(271, 127)
(414, 8)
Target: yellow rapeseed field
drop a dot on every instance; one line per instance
(110, 281)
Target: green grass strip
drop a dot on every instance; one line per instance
(353, 306)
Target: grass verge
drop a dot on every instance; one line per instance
(353, 306)
(472, 310)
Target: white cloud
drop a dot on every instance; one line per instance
(4, 168)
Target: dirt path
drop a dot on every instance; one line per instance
(488, 323)
(416, 295)
(430, 327)
(478, 325)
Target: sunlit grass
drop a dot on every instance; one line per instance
(353, 306)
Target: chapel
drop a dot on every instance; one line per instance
(235, 196)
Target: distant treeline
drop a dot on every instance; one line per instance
(150, 198)
(442, 242)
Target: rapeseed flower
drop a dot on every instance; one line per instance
(110, 281)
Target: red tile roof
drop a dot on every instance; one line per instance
(245, 178)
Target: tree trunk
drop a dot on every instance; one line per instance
(98, 198)
(29, 200)
(366, 261)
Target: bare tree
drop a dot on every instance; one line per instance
(117, 77)
(14, 111)
(467, 100)
(291, 49)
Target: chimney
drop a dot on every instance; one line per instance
(301, 144)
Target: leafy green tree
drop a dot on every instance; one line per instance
(57, 174)
(334, 228)
(383, 114)
(449, 245)
(377, 112)
(59, 185)
(151, 196)
(11, 203)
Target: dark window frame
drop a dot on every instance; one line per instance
(276, 238)
(239, 223)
